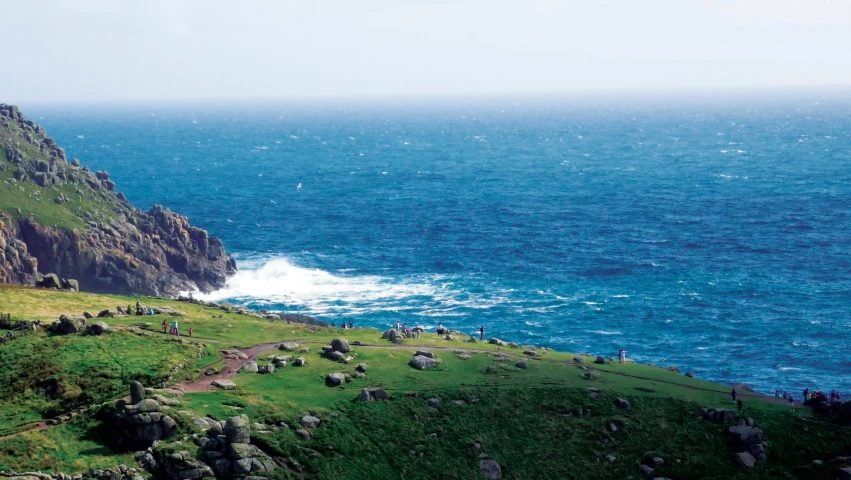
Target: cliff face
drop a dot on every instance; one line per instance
(58, 217)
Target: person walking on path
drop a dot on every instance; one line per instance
(165, 325)
(190, 331)
(739, 402)
(733, 393)
(174, 326)
(482, 333)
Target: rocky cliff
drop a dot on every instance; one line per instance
(58, 217)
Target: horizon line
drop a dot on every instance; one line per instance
(565, 94)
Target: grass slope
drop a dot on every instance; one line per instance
(518, 417)
(39, 202)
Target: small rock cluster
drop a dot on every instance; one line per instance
(142, 422)
(374, 393)
(747, 439)
(121, 472)
(228, 449)
(51, 280)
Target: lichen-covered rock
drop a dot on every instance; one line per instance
(97, 328)
(237, 429)
(183, 466)
(340, 345)
(309, 421)
(68, 325)
(335, 379)
(422, 363)
(137, 392)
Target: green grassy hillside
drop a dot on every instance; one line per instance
(40, 203)
(548, 420)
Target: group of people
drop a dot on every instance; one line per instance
(810, 398)
(343, 325)
(141, 310)
(174, 329)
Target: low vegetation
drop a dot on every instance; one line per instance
(551, 419)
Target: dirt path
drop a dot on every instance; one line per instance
(231, 367)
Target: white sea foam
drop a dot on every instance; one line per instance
(604, 332)
(279, 281)
(318, 292)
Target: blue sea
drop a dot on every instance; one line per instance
(711, 232)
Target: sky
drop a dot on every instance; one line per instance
(90, 50)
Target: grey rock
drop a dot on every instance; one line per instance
(97, 328)
(744, 435)
(757, 451)
(622, 404)
(238, 451)
(422, 363)
(309, 421)
(490, 468)
(340, 345)
(224, 384)
(424, 354)
(378, 393)
(646, 470)
(521, 364)
(237, 429)
(744, 459)
(335, 379)
(137, 392)
(251, 367)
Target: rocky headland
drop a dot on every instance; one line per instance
(58, 217)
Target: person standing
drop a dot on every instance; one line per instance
(351, 325)
(791, 403)
(806, 394)
(176, 331)
(165, 325)
(190, 331)
(733, 393)
(622, 355)
(482, 333)
(739, 401)
(398, 326)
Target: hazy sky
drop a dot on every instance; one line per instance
(98, 49)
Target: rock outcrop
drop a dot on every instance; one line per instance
(229, 452)
(142, 423)
(111, 248)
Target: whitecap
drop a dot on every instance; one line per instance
(604, 332)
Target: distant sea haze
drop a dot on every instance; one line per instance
(709, 234)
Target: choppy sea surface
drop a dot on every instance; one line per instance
(712, 233)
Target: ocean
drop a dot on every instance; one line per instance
(711, 232)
